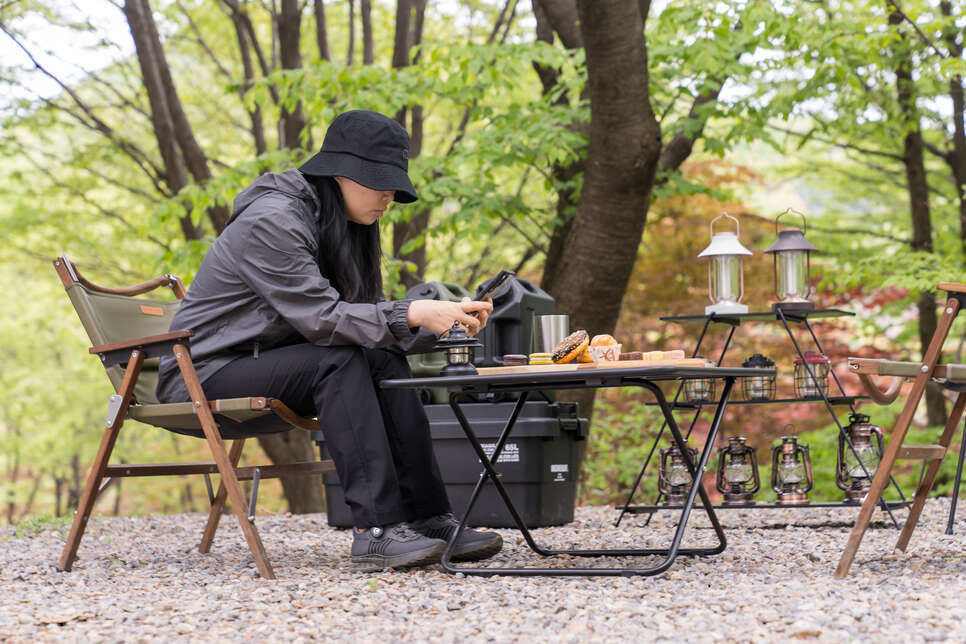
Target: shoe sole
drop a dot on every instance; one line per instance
(478, 553)
(428, 555)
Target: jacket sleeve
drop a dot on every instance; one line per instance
(277, 261)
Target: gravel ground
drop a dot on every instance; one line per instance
(142, 579)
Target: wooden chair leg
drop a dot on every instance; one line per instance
(882, 473)
(220, 456)
(922, 492)
(218, 505)
(94, 477)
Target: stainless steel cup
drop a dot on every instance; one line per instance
(551, 329)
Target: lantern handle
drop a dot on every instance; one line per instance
(724, 214)
(790, 211)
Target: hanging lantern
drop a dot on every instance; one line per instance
(458, 347)
(805, 385)
(699, 389)
(791, 472)
(758, 387)
(737, 476)
(674, 479)
(725, 278)
(856, 466)
(792, 267)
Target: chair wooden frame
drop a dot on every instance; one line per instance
(130, 354)
(954, 377)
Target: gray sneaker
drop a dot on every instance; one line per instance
(473, 545)
(394, 546)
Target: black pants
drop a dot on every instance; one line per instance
(378, 438)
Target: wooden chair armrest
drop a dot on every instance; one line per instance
(141, 342)
(881, 397)
(68, 273)
(152, 346)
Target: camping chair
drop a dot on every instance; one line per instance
(951, 377)
(129, 334)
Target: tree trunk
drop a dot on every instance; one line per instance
(303, 493)
(352, 33)
(623, 152)
(148, 52)
(289, 33)
(321, 31)
(368, 47)
(255, 115)
(912, 157)
(179, 149)
(409, 21)
(560, 17)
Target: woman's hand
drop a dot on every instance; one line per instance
(439, 316)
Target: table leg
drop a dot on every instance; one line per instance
(670, 553)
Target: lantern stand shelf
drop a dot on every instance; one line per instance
(734, 320)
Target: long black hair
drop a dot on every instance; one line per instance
(349, 253)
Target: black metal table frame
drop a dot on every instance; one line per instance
(643, 377)
(734, 320)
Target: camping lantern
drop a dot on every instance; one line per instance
(807, 386)
(458, 347)
(856, 466)
(725, 279)
(792, 267)
(674, 478)
(737, 472)
(758, 387)
(791, 472)
(699, 389)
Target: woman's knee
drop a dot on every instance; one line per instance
(384, 363)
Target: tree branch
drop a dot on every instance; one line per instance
(846, 146)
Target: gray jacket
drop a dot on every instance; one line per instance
(259, 287)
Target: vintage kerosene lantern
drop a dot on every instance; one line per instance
(699, 389)
(726, 281)
(674, 478)
(458, 346)
(737, 476)
(856, 466)
(805, 385)
(792, 266)
(791, 472)
(758, 387)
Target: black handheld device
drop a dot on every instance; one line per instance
(494, 286)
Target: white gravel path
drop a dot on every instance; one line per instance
(141, 579)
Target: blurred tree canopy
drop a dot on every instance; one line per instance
(584, 144)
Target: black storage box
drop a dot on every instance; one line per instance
(540, 463)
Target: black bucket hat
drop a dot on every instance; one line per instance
(369, 148)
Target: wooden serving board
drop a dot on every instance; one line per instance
(583, 366)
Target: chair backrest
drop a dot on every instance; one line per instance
(115, 315)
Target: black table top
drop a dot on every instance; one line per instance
(572, 379)
(759, 316)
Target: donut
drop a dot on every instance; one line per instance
(586, 356)
(571, 347)
(603, 340)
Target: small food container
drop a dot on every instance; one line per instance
(607, 353)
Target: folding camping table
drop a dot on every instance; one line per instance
(644, 377)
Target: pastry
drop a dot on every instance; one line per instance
(603, 340)
(571, 347)
(541, 358)
(632, 355)
(586, 356)
(514, 360)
